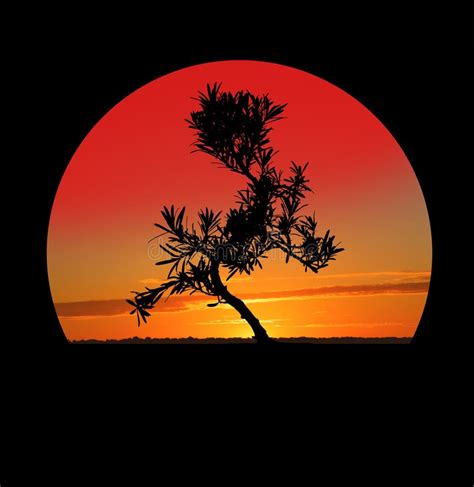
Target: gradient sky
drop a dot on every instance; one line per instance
(138, 158)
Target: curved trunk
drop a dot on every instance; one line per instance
(260, 333)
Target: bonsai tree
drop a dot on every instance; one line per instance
(234, 129)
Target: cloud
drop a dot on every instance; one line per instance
(114, 307)
(238, 321)
(354, 290)
(401, 276)
(109, 307)
(358, 325)
(386, 276)
(151, 281)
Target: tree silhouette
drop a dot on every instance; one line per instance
(234, 130)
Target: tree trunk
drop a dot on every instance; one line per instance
(259, 331)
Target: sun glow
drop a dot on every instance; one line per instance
(137, 159)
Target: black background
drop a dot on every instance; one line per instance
(400, 63)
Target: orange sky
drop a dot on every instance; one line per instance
(138, 158)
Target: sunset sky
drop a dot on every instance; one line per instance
(138, 158)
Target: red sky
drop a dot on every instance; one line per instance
(138, 157)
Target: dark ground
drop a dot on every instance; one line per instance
(247, 342)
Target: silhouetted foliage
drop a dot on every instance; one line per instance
(234, 129)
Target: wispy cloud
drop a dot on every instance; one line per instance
(354, 290)
(358, 324)
(386, 276)
(402, 276)
(151, 281)
(183, 303)
(109, 307)
(238, 321)
(382, 276)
